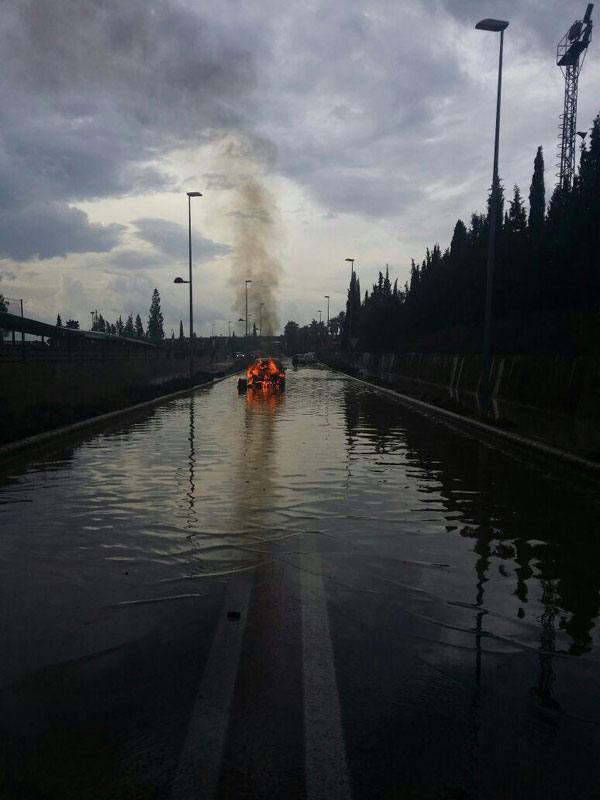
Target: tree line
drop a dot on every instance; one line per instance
(546, 290)
(132, 328)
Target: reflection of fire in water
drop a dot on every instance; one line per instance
(257, 467)
(264, 399)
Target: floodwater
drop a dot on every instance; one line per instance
(455, 587)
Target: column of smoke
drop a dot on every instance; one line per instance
(256, 241)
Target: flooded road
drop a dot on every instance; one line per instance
(318, 594)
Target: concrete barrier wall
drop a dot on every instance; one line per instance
(81, 380)
(44, 393)
(554, 399)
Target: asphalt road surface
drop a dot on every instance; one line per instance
(315, 595)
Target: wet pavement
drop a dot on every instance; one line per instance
(321, 594)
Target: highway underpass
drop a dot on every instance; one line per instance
(315, 594)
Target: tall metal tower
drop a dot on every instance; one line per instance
(570, 55)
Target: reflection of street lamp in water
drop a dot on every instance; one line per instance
(192, 518)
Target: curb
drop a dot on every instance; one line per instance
(48, 436)
(467, 422)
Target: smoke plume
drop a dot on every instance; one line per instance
(256, 238)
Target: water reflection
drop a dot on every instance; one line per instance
(254, 494)
(537, 536)
(192, 516)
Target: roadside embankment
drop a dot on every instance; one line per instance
(43, 394)
(555, 400)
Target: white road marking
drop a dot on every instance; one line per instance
(325, 752)
(201, 756)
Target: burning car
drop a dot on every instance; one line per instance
(264, 374)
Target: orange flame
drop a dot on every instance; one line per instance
(265, 373)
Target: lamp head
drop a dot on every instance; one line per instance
(495, 25)
(349, 259)
(179, 280)
(194, 194)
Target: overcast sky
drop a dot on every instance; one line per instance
(368, 125)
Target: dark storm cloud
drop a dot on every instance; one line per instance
(92, 94)
(171, 239)
(52, 229)
(358, 89)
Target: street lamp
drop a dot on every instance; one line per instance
(180, 280)
(320, 312)
(351, 260)
(246, 284)
(496, 26)
(326, 296)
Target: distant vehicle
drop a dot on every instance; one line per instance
(264, 374)
(239, 355)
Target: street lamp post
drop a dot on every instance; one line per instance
(320, 322)
(180, 280)
(247, 321)
(246, 284)
(496, 26)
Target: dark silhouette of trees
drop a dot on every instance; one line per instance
(336, 324)
(353, 307)
(537, 197)
(155, 330)
(181, 337)
(72, 323)
(139, 328)
(119, 326)
(291, 335)
(546, 283)
(58, 321)
(128, 329)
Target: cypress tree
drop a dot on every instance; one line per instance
(516, 218)
(129, 330)
(537, 196)
(156, 331)
(180, 330)
(459, 239)
(58, 321)
(139, 328)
